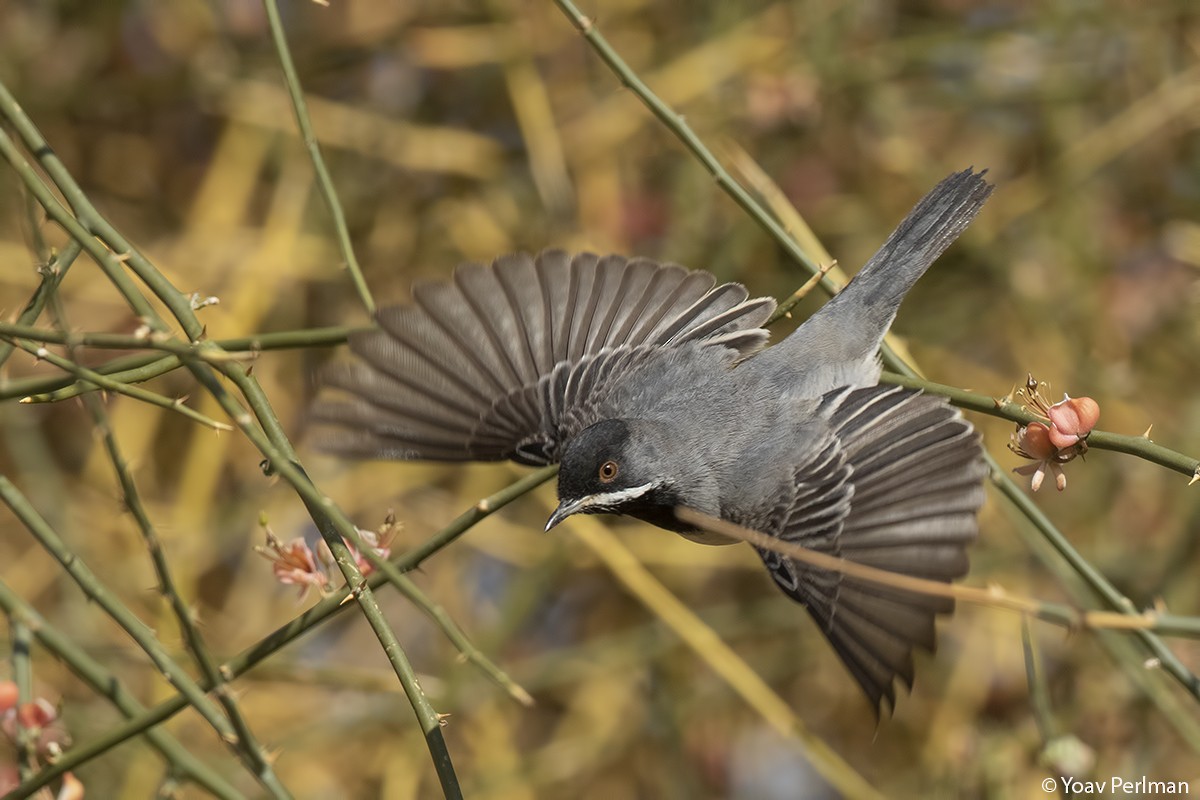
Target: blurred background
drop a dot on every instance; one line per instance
(459, 131)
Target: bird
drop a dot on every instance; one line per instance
(653, 388)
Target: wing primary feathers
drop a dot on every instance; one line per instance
(515, 358)
(644, 279)
(518, 280)
(443, 308)
(482, 292)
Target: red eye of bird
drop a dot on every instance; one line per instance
(608, 471)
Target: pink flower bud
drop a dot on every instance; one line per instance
(1072, 419)
(1034, 441)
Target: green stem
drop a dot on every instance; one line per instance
(112, 385)
(324, 181)
(251, 752)
(145, 366)
(96, 591)
(1102, 440)
(677, 125)
(322, 611)
(52, 274)
(107, 685)
(22, 657)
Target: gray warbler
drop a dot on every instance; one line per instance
(653, 389)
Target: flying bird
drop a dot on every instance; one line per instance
(653, 389)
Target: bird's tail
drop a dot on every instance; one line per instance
(840, 342)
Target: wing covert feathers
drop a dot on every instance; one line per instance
(511, 359)
(898, 488)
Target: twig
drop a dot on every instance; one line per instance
(1139, 446)
(103, 382)
(145, 339)
(145, 366)
(252, 753)
(677, 125)
(52, 274)
(995, 596)
(137, 630)
(324, 610)
(107, 685)
(784, 309)
(324, 181)
(22, 660)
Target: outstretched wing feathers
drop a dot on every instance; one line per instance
(897, 487)
(511, 359)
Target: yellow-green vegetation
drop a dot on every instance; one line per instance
(197, 254)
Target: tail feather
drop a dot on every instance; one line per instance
(838, 345)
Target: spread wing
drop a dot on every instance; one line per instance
(897, 487)
(513, 359)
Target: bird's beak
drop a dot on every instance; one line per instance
(605, 502)
(564, 510)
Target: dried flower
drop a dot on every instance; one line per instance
(379, 543)
(1059, 439)
(294, 563)
(1072, 419)
(39, 719)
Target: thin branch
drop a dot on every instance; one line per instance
(324, 610)
(143, 339)
(252, 754)
(993, 596)
(22, 660)
(145, 366)
(324, 181)
(107, 383)
(677, 125)
(52, 274)
(96, 591)
(107, 685)
(1139, 446)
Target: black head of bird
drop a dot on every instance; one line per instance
(651, 385)
(616, 467)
